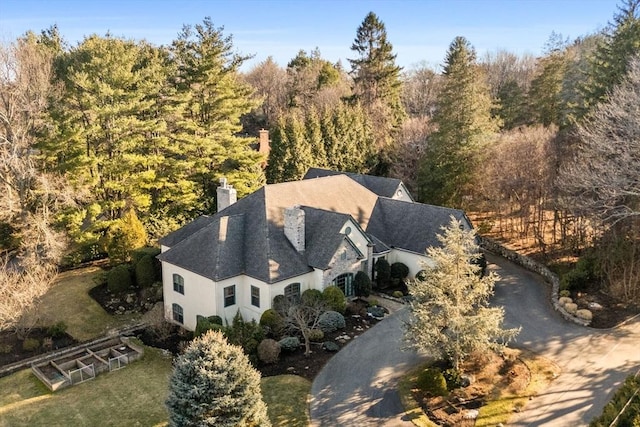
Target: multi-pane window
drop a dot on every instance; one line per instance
(178, 283)
(345, 283)
(178, 313)
(292, 292)
(229, 295)
(255, 296)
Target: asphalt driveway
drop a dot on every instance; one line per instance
(358, 385)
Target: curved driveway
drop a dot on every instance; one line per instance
(357, 386)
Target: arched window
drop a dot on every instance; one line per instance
(292, 292)
(345, 283)
(178, 283)
(178, 313)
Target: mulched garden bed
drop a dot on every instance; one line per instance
(13, 349)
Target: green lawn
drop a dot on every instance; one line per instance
(286, 399)
(69, 301)
(133, 396)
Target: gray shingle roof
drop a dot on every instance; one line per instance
(248, 236)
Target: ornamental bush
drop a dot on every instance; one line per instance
(383, 273)
(311, 297)
(119, 278)
(331, 321)
(399, 270)
(268, 351)
(316, 335)
(362, 284)
(272, 322)
(432, 381)
(214, 384)
(146, 273)
(289, 343)
(334, 298)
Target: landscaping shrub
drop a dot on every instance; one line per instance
(272, 322)
(204, 324)
(289, 343)
(432, 381)
(316, 335)
(383, 273)
(421, 275)
(334, 298)
(564, 293)
(331, 321)
(139, 253)
(30, 344)
(399, 271)
(269, 351)
(330, 346)
(311, 296)
(146, 272)
(119, 278)
(280, 303)
(584, 272)
(453, 378)
(376, 311)
(373, 302)
(57, 330)
(362, 284)
(397, 294)
(215, 319)
(245, 334)
(628, 417)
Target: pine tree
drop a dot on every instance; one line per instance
(214, 384)
(611, 59)
(465, 126)
(313, 133)
(450, 313)
(209, 100)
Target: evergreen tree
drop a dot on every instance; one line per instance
(450, 313)
(214, 384)
(313, 133)
(290, 155)
(375, 74)
(209, 99)
(545, 94)
(611, 59)
(465, 127)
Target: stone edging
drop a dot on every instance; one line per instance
(536, 267)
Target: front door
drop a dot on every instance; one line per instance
(345, 283)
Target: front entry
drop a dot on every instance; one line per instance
(345, 283)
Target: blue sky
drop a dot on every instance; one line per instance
(420, 30)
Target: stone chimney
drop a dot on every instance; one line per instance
(263, 142)
(294, 227)
(226, 194)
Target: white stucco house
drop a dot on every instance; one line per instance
(289, 237)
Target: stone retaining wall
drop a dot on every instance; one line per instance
(536, 267)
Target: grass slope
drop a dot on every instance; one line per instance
(69, 301)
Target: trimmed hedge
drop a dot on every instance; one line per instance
(146, 272)
(331, 321)
(119, 278)
(335, 299)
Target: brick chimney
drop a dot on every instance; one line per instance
(294, 227)
(226, 194)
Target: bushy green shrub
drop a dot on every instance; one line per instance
(628, 417)
(289, 343)
(30, 344)
(564, 293)
(204, 324)
(272, 322)
(383, 273)
(330, 321)
(584, 272)
(57, 330)
(146, 272)
(215, 319)
(397, 294)
(245, 334)
(280, 303)
(432, 381)
(269, 351)
(125, 235)
(311, 296)
(316, 335)
(421, 275)
(119, 279)
(334, 298)
(362, 284)
(453, 378)
(139, 253)
(399, 270)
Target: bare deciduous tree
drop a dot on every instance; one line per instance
(602, 181)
